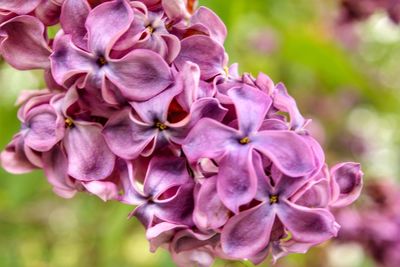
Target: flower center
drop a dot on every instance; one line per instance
(273, 199)
(101, 61)
(244, 140)
(150, 29)
(161, 126)
(68, 123)
(226, 69)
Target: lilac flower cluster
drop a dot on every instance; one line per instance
(141, 107)
(375, 223)
(356, 10)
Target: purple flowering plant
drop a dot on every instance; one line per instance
(141, 107)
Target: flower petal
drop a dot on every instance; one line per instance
(248, 232)
(125, 137)
(290, 153)
(45, 128)
(19, 7)
(55, 165)
(164, 173)
(89, 157)
(68, 60)
(25, 46)
(72, 19)
(209, 139)
(13, 158)
(105, 190)
(251, 107)
(237, 180)
(203, 51)
(348, 178)
(305, 224)
(209, 213)
(156, 108)
(106, 23)
(139, 75)
(212, 22)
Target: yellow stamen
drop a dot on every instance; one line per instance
(226, 69)
(69, 123)
(273, 199)
(161, 126)
(244, 140)
(150, 29)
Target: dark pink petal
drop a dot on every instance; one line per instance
(179, 208)
(68, 60)
(73, 18)
(13, 158)
(348, 179)
(251, 107)
(89, 157)
(305, 224)
(248, 232)
(212, 22)
(190, 76)
(209, 139)
(203, 51)
(164, 173)
(55, 165)
(289, 152)
(44, 128)
(140, 75)
(49, 12)
(173, 45)
(19, 7)
(125, 137)
(25, 46)
(317, 195)
(106, 23)
(210, 212)
(237, 180)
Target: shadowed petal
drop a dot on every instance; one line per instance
(13, 158)
(305, 224)
(73, 17)
(348, 179)
(209, 212)
(251, 107)
(290, 153)
(237, 180)
(106, 23)
(161, 233)
(55, 165)
(165, 173)
(25, 46)
(89, 157)
(140, 75)
(156, 108)
(125, 137)
(248, 232)
(212, 135)
(203, 51)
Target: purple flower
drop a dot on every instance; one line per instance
(152, 127)
(167, 192)
(249, 232)
(232, 148)
(139, 75)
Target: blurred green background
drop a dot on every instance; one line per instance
(346, 80)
